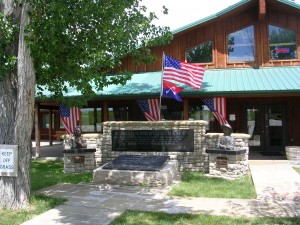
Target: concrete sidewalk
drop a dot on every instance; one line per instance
(48, 152)
(276, 183)
(275, 180)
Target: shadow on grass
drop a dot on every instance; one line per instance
(38, 205)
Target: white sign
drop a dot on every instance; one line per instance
(232, 117)
(8, 160)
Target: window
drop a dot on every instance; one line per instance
(200, 112)
(200, 54)
(45, 120)
(90, 121)
(172, 111)
(118, 113)
(282, 43)
(241, 45)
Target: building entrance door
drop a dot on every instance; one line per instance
(267, 126)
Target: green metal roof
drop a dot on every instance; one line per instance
(216, 82)
(224, 11)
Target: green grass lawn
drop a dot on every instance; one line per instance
(52, 173)
(297, 169)
(43, 174)
(155, 218)
(199, 185)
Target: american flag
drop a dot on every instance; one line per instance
(150, 108)
(218, 107)
(182, 72)
(69, 117)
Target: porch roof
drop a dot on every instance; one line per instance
(216, 82)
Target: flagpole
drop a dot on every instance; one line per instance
(161, 84)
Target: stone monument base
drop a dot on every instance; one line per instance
(81, 160)
(229, 164)
(162, 177)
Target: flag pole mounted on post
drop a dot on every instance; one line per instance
(161, 84)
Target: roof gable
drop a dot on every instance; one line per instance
(231, 9)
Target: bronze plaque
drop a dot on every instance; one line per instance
(79, 159)
(221, 161)
(181, 140)
(137, 162)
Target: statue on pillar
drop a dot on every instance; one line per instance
(78, 141)
(226, 142)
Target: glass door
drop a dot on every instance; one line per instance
(275, 128)
(266, 124)
(254, 127)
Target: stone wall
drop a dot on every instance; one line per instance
(235, 161)
(82, 160)
(79, 161)
(198, 160)
(187, 161)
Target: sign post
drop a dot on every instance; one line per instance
(9, 160)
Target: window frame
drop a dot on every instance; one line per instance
(269, 46)
(254, 47)
(202, 63)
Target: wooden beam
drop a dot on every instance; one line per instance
(37, 131)
(186, 109)
(105, 111)
(262, 10)
(50, 128)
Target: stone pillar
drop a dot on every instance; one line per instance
(227, 163)
(84, 159)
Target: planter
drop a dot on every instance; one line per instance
(292, 152)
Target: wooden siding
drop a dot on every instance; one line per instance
(217, 31)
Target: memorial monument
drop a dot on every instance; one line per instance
(77, 157)
(228, 159)
(226, 142)
(77, 140)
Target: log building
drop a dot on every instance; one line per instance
(251, 54)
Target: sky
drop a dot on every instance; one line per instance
(183, 12)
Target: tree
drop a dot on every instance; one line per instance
(59, 45)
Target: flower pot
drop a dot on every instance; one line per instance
(292, 152)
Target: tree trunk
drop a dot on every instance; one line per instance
(17, 93)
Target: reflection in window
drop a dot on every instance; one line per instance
(45, 121)
(200, 54)
(253, 125)
(241, 45)
(90, 121)
(282, 43)
(200, 112)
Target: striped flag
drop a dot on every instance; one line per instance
(69, 117)
(218, 107)
(150, 108)
(186, 73)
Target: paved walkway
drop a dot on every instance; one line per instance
(277, 186)
(275, 180)
(276, 183)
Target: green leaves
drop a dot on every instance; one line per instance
(80, 42)
(8, 58)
